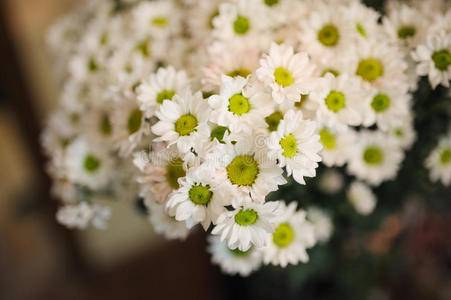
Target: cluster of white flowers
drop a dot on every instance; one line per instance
(203, 108)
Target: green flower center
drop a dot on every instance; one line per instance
(200, 195)
(406, 32)
(331, 71)
(380, 102)
(273, 120)
(271, 2)
(92, 65)
(370, 69)
(105, 125)
(373, 155)
(335, 101)
(91, 163)
(104, 38)
(212, 16)
(283, 77)
(237, 252)
(246, 217)
(186, 124)
(218, 133)
(399, 132)
(243, 72)
(301, 102)
(445, 157)
(328, 35)
(241, 25)
(134, 121)
(327, 139)
(165, 95)
(243, 170)
(143, 48)
(174, 171)
(238, 104)
(441, 59)
(289, 146)
(360, 29)
(283, 235)
(160, 22)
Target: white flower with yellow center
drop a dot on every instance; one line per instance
(434, 58)
(233, 261)
(439, 161)
(295, 145)
(248, 225)
(321, 222)
(336, 145)
(292, 235)
(180, 118)
(376, 157)
(198, 198)
(240, 105)
(361, 197)
(286, 74)
(160, 86)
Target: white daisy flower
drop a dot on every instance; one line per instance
(287, 74)
(439, 161)
(361, 197)
(79, 216)
(375, 158)
(322, 223)
(434, 59)
(160, 86)
(180, 118)
(336, 145)
(295, 146)
(247, 226)
(197, 198)
(165, 224)
(293, 234)
(331, 181)
(404, 133)
(239, 106)
(362, 19)
(233, 261)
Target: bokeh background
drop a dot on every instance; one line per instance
(403, 251)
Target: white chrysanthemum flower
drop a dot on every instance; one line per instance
(88, 164)
(331, 181)
(375, 158)
(404, 133)
(295, 146)
(434, 59)
(293, 234)
(247, 226)
(160, 86)
(361, 197)
(233, 261)
(405, 26)
(161, 170)
(287, 74)
(362, 20)
(439, 161)
(345, 102)
(243, 169)
(336, 145)
(198, 198)
(180, 118)
(239, 105)
(165, 224)
(322, 223)
(81, 215)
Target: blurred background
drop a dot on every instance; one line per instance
(404, 252)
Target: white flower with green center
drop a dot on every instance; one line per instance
(295, 145)
(197, 198)
(243, 169)
(160, 86)
(336, 145)
(344, 102)
(434, 58)
(375, 157)
(233, 261)
(362, 19)
(239, 106)
(88, 164)
(438, 161)
(361, 197)
(292, 235)
(404, 133)
(180, 118)
(286, 74)
(248, 225)
(322, 223)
